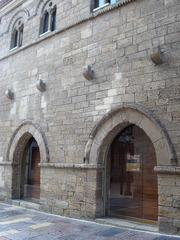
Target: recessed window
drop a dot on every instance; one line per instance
(101, 3)
(45, 22)
(48, 19)
(17, 35)
(21, 29)
(14, 39)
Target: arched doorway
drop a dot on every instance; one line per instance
(97, 150)
(132, 186)
(30, 171)
(27, 148)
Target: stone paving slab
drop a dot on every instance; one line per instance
(17, 223)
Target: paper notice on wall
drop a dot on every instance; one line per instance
(133, 163)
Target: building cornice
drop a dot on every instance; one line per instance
(4, 2)
(9, 6)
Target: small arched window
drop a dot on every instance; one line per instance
(21, 29)
(14, 39)
(17, 35)
(45, 22)
(48, 19)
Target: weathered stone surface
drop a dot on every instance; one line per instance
(117, 43)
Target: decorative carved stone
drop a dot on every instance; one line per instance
(88, 73)
(41, 85)
(9, 94)
(158, 56)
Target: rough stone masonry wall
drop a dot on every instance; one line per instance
(118, 44)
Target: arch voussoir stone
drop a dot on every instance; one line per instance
(114, 121)
(151, 129)
(20, 138)
(162, 151)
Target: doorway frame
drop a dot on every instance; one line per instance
(109, 126)
(16, 148)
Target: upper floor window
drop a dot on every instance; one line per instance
(101, 3)
(48, 19)
(17, 35)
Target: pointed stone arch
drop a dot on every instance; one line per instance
(21, 14)
(118, 118)
(21, 136)
(40, 6)
(16, 151)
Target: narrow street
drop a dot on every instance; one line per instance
(22, 224)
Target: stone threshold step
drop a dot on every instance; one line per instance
(26, 204)
(124, 223)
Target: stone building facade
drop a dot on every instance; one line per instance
(70, 88)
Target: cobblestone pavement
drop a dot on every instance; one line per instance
(22, 224)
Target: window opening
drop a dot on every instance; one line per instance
(17, 35)
(101, 3)
(21, 35)
(14, 39)
(48, 20)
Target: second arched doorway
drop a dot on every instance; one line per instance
(131, 183)
(26, 169)
(27, 149)
(30, 171)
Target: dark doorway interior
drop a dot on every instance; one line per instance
(30, 172)
(132, 182)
